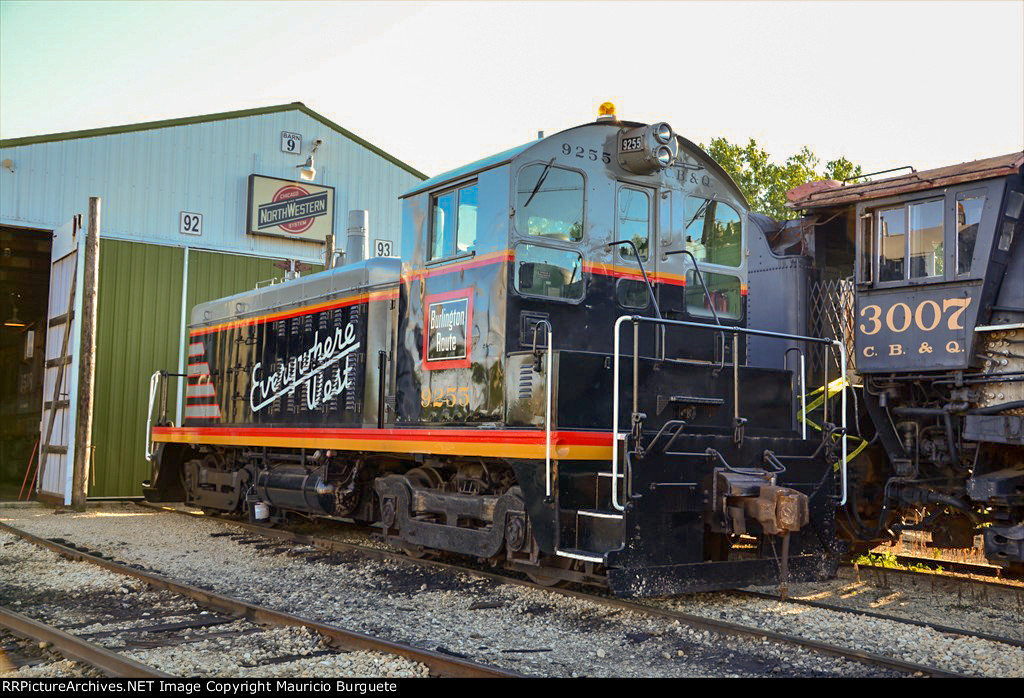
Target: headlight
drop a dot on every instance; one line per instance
(663, 132)
(664, 156)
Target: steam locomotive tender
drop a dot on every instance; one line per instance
(461, 397)
(939, 347)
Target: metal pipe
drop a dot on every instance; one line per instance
(153, 388)
(636, 256)
(700, 277)
(803, 397)
(730, 328)
(636, 367)
(724, 328)
(548, 380)
(842, 468)
(381, 360)
(547, 402)
(736, 379)
(824, 404)
(615, 414)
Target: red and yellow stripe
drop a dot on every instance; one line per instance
(496, 443)
(371, 297)
(621, 272)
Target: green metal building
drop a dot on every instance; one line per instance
(192, 209)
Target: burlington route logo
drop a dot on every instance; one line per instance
(293, 209)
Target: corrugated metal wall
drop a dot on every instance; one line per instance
(139, 310)
(146, 178)
(137, 334)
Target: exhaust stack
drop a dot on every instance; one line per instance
(356, 236)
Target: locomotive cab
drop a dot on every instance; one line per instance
(938, 337)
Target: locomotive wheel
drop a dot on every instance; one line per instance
(549, 579)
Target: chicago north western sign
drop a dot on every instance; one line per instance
(289, 209)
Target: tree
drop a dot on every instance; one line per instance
(765, 183)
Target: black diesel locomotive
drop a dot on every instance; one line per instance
(553, 376)
(934, 309)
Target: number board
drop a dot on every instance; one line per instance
(291, 142)
(190, 223)
(915, 329)
(631, 144)
(383, 248)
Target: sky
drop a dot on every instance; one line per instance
(441, 84)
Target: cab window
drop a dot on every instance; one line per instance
(926, 237)
(892, 228)
(968, 218)
(548, 272)
(911, 241)
(713, 231)
(453, 222)
(634, 220)
(724, 292)
(549, 202)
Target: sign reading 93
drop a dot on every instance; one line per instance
(912, 330)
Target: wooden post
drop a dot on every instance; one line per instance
(87, 359)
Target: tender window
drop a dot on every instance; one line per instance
(968, 218)
(724, 290)
(548, 272)
(892, 226)
(1014, 204)
(867, 247)
(453, 222)
(926, 238)
(549, 202)
(713, 231)
(634, 221)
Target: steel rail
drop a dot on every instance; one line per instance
(109, 663)
(949, 630)
(980, 574)
(695, 621)
(439, 664)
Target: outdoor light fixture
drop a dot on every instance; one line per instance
(14, 321)
(307, 170)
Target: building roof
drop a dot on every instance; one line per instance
(238, 114)
(830, 193)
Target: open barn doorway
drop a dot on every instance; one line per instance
(24, 288)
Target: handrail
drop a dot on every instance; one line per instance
(637, 319)
(547, 413)
(154, 386)
(803, 388)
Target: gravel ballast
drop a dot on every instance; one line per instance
(528, 630)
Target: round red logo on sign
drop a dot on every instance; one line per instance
(290, 192)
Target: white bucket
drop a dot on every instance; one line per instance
(261, 512)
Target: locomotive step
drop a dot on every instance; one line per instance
(577, 554)
(599, 513)
(696, 400)
(596, 530)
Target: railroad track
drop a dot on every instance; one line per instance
(318, 543)
(200, 608)
(76, 648)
